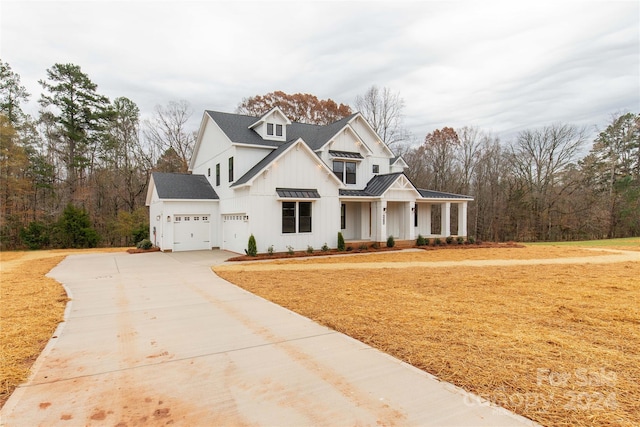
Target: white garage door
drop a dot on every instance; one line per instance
(235, 232)
(191, 232)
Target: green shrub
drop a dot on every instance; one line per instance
(252, 248)
(340, 242)
(375, 245)
(290, 250)
(437, 241)
(35, 235)
(391, 242)
(449, 240)
(270, 250)
(349, 248)
(471, 240)
(309, 249)
(363, 247)
(325, 248)
(420, 241)
(74, 230)
(460, 240)
(144, 244)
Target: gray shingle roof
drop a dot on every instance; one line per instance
(430, 194)
(183, 186)
(236, 127)
(298, 193)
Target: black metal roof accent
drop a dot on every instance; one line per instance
(375, 187)
(298, 193)
(345, 154)
(183, 186)
(430, 194)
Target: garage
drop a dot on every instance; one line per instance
(183, 212)
(191, 232)
(235, 232)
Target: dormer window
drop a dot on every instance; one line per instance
(271, 126)
(270, 129)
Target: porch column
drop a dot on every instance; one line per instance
(445, 219)
(427, 218)
(462, 219)
(410, 228)
(379, 219)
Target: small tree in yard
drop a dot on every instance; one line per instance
(252, 248)
(340, 242)
(74, 230)
(391, 242)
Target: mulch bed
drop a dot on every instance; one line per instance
(142, 251)
(301, 254)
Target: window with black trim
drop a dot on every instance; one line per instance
(304, 217)
(345, 171)
(376, 168)
(230, 169)
(288, 217)
(269, 128)
(296, 217)
(218, 174)
(278, 130)
(343, 216)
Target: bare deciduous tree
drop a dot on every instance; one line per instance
(167, 130)
(383, 110)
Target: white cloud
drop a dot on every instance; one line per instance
(502, 66)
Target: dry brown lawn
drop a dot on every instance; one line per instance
(559, 344)
(32, 305)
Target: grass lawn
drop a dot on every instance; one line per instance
(629, 243)
(556, 343)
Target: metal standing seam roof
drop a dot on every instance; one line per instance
(430, 194)
(375, 187)
(345, 154)
(183, 186)
(298, 193)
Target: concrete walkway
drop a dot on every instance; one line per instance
(157, 339)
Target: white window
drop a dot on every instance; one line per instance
(269, 128)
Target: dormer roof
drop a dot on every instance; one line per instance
(274, 114)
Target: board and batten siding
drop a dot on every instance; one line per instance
(298, 168)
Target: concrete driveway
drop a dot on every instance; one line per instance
(158, 339)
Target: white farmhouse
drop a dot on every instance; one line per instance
(291, 185)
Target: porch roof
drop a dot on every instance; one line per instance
(430, 194)
(375, 187)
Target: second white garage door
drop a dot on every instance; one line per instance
(191, 232)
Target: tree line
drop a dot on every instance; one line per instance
(76, 175)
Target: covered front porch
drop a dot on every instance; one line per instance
(376, 220)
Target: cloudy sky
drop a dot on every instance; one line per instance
(502, 66)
